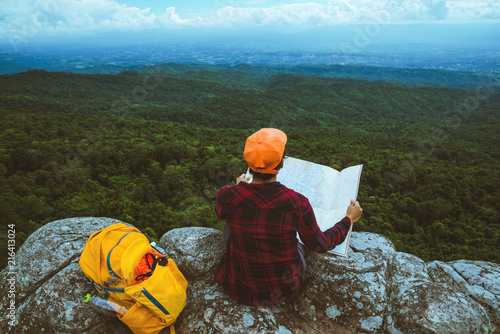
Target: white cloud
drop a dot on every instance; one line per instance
(26, 18)
(355, 11)
(22, 19)
(475, 9)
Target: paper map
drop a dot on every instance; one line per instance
(328, 190)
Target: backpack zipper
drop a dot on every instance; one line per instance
(154, 301)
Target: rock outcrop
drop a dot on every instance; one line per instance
(50, 286)
(374, 290)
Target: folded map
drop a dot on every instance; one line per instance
(328, 190)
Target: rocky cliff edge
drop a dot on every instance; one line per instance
(374, 290)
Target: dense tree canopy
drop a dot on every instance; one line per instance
(91, 145)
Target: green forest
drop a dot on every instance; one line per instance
(151, 148)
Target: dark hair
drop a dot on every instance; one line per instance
(266, 177)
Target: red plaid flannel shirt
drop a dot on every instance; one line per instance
(261, 264)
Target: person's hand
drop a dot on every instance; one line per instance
(354, 211)
(242, 178)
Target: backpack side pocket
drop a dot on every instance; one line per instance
(141, 320)
(161, 293)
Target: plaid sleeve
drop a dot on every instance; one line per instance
(220, 204)
(311, 235)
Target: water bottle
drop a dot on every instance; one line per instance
(158, 248)
(107, 306)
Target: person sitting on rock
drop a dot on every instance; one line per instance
(263, 261)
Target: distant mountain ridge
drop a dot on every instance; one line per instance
(409, 76)
(219, 99)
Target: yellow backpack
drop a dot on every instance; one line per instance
(109, 261)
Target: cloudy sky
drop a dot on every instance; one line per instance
(32, 18)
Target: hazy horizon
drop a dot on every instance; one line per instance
(23, 22)
(454, 31)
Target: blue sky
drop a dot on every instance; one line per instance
(185, 8)
(458, 10)
(28, 19)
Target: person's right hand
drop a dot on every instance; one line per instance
(242, 178)
(354, 211)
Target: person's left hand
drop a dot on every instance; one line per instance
(354, 211)
(242, 178)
